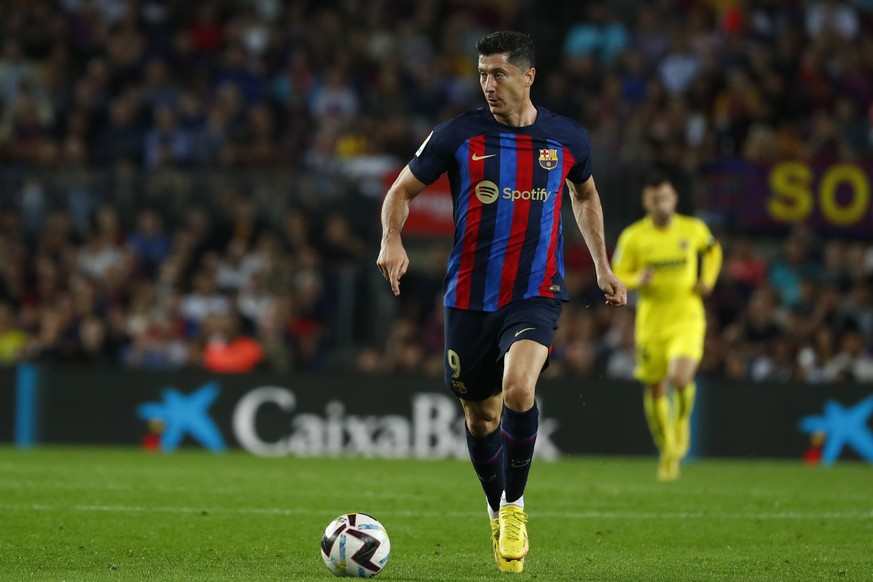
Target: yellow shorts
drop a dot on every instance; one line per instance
(654, 354)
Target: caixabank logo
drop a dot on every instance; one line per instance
(269, 421)
(178, 414)
(842, 426)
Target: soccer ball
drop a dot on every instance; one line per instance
(356, 545)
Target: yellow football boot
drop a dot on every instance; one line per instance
(668, 466)
(513, 543)
(506, 566)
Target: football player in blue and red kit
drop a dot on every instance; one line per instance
(508, 164)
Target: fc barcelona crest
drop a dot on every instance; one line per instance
(549, 159)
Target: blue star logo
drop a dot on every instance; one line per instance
(844, 426)
(185, 414)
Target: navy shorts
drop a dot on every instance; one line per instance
(476, 342)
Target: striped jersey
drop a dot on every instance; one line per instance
(507, 185)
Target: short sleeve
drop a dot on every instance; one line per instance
(433, 156)
(581, 150)
(705, 240)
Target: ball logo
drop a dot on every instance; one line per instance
(487, 191)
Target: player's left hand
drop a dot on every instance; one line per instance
(702, 288)
(613, 289)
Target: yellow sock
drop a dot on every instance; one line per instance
(683, 404)
(683, 401)
(657, 411)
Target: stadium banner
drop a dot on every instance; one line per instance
(430, 213)
(830, 198)
(335, 414)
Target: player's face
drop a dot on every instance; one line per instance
(506, 87)
(660, 201)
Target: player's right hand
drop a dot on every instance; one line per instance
(613, 289)
(392, 262)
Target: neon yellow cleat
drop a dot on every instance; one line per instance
(668, 466)
(505, 566)
(513, 543)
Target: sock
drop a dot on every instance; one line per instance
(518, 502)
(683, 401)
(657, 411)
(683, 405)
(519, 430)
(487, 455)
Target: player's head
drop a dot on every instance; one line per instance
(517, 46)
(506, 71)
(659, 196)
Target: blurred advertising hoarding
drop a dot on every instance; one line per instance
(402, 416)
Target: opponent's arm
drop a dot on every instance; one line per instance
(589, 218)
(393, 260)
(710, 266)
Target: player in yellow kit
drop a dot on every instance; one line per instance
(658, 256)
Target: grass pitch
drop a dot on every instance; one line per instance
(122, 514)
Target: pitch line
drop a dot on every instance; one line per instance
(640, 515)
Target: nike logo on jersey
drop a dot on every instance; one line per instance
(521, 331)
(477, 158)
(516, 464)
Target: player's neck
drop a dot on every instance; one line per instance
(662, 221)
(525, 116)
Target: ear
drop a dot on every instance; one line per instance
(529, 77)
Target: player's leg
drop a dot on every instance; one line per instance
(521, 368)
(651, 371)
(659, 417)
(473, 372)
(684, 353)
(527, 331)
(681, 374)
(485, 445)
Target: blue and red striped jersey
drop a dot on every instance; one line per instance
(507, 187)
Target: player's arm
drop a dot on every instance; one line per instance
(393, 260)
(625, 263)
(589, 217)
(710, 265)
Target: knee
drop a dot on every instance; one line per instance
(518, 395)
(680, 380)
(657, 390)
(480, 424)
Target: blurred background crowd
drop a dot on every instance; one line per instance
(197, 184)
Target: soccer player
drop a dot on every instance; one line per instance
(658, 256)
(508, 164)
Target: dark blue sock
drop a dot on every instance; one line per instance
(486, 453)
(519, 430)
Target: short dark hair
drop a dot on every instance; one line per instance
(519, 47)
(655, 177)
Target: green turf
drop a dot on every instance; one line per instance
(122, 514)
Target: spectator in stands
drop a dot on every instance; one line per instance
(227, 349)
(13, 340)
(787, 271)
(202, 301)
(599, 34)
(232, 122)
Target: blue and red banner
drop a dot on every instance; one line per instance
(832, 198)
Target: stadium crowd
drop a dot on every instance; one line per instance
(196, 184)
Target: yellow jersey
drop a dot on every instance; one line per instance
(669, 303)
